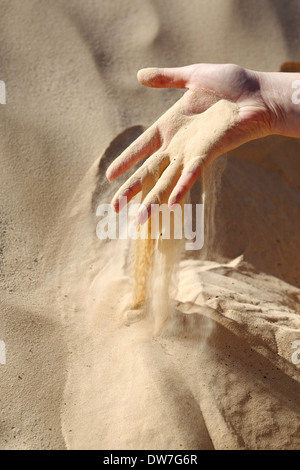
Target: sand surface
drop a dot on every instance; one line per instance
(82, 370)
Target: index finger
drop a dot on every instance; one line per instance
(142, 147)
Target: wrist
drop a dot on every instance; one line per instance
(281, 94)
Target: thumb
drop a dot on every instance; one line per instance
(177, 77)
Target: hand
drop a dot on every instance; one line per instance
(222, 109)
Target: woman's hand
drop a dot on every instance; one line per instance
(223, 108)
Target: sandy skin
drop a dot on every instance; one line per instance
(222, 109)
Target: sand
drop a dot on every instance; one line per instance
(82, 370)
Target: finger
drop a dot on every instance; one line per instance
(189, 176)
(161, 191)
(126, 193)
(143, 146)
(146, 175)
(177, 77)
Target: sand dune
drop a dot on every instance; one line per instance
(81, 371)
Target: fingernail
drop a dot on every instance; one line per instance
(113, 205)
(122, 201)
(173, 199)
(142, 215)
(173, 206)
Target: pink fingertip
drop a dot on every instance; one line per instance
(119, 203)
(142, 215)
(114, 206)
(174, 206)
(122, 201)
(109, 175)
(184, 179)
(174, 198)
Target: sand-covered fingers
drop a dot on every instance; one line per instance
(145, 176)
(132, 187)
(142, 147)
(191, 172)
(162, 189)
